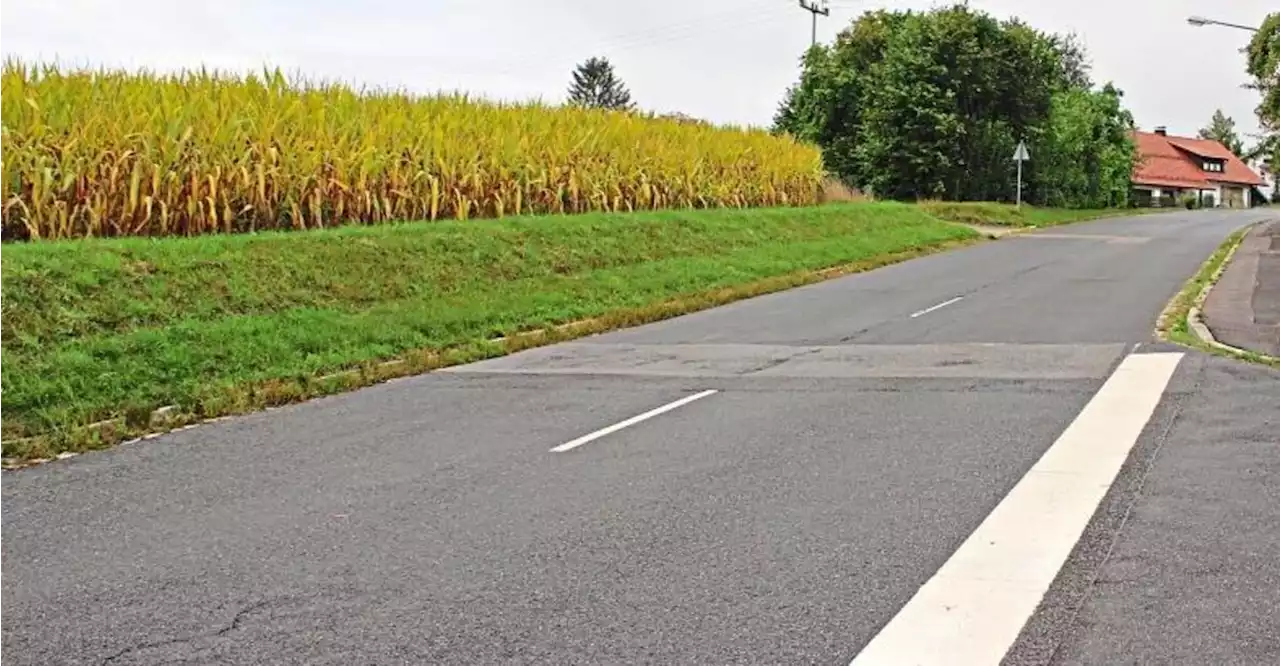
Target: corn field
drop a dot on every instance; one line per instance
(117, 154)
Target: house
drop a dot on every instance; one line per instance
(1171, 168)
(1270, 179)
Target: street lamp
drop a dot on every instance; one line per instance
(1200, 21)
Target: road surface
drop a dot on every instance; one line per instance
(873, 469)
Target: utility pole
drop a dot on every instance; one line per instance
(816, 7)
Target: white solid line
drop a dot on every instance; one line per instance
(570, 445)
(972, 610)
(936, 307)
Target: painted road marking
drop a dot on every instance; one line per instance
(973, 608)
(937, 307)
(570, 445)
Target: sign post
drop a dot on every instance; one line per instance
(1020, 155)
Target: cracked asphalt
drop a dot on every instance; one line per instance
(850, 449)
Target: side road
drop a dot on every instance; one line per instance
(891, 467)
(1243, 308)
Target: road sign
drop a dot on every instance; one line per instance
(1021, 153)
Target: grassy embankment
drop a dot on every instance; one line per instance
(114, 328)
(1006, 215)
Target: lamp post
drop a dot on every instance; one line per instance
(1200, 22)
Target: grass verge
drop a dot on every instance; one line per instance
(1007, 215)
(100, 333)
(1175, 322)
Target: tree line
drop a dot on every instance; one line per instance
(915, 105)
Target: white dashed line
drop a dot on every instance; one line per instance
(937, 307)
(570, 445)
(971, 611)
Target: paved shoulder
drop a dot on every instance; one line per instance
(1243, 309)
(1179, 565)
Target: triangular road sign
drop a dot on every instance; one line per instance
(1021, 153)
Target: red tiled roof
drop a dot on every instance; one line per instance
(1166, 162)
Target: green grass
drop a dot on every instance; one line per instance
(112, 329)
(1007, 215)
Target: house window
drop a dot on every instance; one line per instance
(1211, 165)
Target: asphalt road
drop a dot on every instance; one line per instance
(860, 431)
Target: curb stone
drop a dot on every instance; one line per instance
(1195, 321)
(162, 415)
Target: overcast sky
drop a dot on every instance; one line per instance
(723, 60)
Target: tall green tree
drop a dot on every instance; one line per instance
(909, 129)
(828, 105)
(1264, 66)
(1222, 128)
(1074, 61)
(596, 85)
(1085, 154)
(913, 105)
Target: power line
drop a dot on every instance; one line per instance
(659, 35)
(744, 8)
(695, 28)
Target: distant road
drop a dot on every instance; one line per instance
(790, 479)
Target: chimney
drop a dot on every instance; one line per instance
(1162, 130)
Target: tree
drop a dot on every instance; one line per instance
(1086, 154)
(1264, 66)
(828, 104)
(1075, 65)
(595, 85)
(910, 129)
(932, 104)
(1266, 146)
(1222, 128)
